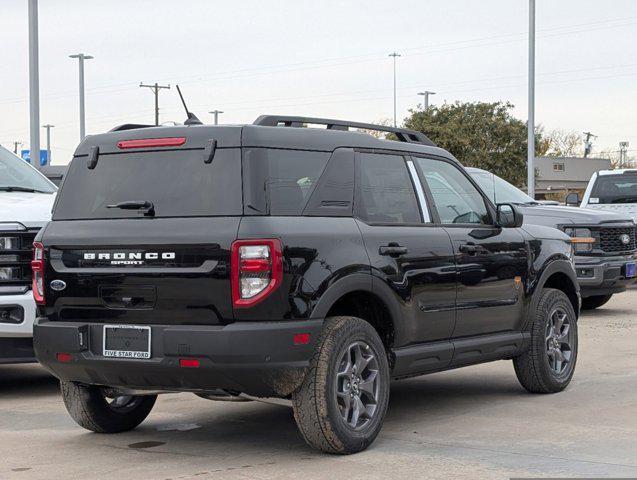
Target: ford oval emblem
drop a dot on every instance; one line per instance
(625, 239)
(58, 285)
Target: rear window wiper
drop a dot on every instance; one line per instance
(21, 189)
(145, 205)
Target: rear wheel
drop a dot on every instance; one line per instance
(548, 364)
(342, 402)
(596, 301)
(93, 410)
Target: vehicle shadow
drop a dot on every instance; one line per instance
(26, 380)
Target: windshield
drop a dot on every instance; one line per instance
(615, 189)
(17, 175)
(499, 190)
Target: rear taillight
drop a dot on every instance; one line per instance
(37, 268)
(257, 270)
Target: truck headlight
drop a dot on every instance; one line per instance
(9, 273)
(581, 238)
(9, 243)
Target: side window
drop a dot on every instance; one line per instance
(455, 197)
(280, 182)
(385, 191)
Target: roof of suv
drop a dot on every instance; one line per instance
(287, 136)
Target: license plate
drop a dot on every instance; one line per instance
(126, 341)
(631, 270)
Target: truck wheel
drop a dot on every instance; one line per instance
(341, 405)
(548, 364)
(596, 301)
(91, 409)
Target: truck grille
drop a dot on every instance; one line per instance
(610, 239)
(15, 258)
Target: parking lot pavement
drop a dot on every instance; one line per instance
(475, 422)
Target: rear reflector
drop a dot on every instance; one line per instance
(152, 142)
(188, 363)
(64, 357)
(301, 338)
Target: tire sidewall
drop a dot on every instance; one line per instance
(555, 298)
(357, 330)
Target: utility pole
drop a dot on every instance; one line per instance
(394, 55)
(16, 144)
(48, 127)
(623, 150)
(588, 144)
(34, 85)
(531, 121)
(216, 114)
(425, 102)
(81, 57)
(155, 88)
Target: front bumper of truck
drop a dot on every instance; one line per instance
(17, 314)
(603, 275)
(261, 359)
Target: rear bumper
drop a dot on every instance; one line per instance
(256, 358)
(603, 276)
(16, 330)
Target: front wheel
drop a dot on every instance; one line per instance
(596, 301)
(341, 405)
(93, 410)
(548, 364)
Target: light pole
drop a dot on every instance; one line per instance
(425, 102)
(34, 85)
(81, 57)
(48, 127)
(623, 150)
(394, 55)
(530, 179)
(216, 114)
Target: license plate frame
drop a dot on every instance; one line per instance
(630, 270)
(142, 352)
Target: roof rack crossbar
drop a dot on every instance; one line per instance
(403, 134)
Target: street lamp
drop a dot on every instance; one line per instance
(48, 127)
(81, 57)
(425, 102)
(216, 114)
(394, 55)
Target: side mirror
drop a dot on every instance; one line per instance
(508, 216)
(572, 199)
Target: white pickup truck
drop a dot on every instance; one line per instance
(26, 199)
(613, 191)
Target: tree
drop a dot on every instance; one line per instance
(483, 135)
(564, 144)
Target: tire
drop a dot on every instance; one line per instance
(320, 405)
(90, 409)
(596, 301)
(541, 369)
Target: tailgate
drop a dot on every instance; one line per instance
(144, 271)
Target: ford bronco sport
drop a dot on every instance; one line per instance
(276, 261)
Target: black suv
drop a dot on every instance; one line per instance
(273, 260)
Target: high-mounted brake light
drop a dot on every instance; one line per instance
(256, 270)
(152, 142)
(37, 269)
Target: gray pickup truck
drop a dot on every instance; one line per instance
(604, 242)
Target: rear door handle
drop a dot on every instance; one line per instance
(468, 248)
(392, 250)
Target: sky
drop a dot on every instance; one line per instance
(318, 58)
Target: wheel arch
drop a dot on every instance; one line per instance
(356, 296)
(559, 274)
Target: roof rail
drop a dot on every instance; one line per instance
(403, 134)
(129, 126)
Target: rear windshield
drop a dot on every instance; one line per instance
(178, 183)
(615, 189)
(280, 182)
